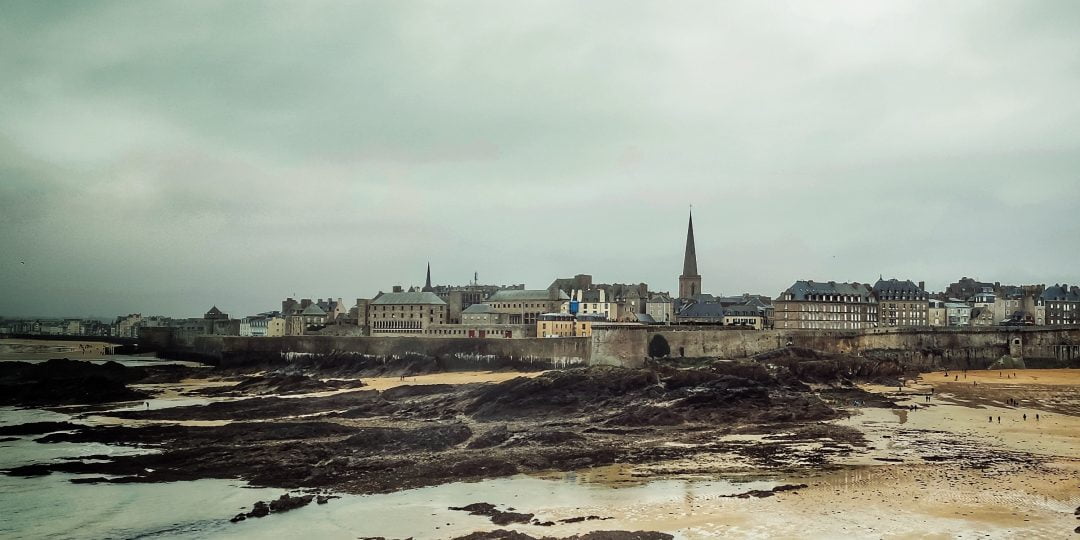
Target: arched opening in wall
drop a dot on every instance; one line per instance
(1016, 341)
(658, 347)
(682, 352)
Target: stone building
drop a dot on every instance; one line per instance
(126, 326)
(309, 319)
(566, 324)
(690, 280)
(983, 316)
(525, 306)
(1060, 305)
(481, 331)
(481, 314)
(825, 306)
(745, 315)
(937, 313)
(966, 287)
(901, 303)
(405, 313)
(661, 308)
(957, 314)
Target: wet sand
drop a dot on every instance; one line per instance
(36, 349)
(941, 471)
(454, 377)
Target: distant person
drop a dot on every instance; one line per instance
(147, 404)
(999, 419)
(956, 378)
(1036, 417)
(1025, 417)
(991, 419)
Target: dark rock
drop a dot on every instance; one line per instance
(37, 428)
(416, 390)
(498, 517)
(759, 493)
(67, 382)
(237, 518)
(492, 437)
(8, 439)
(260, 509)
(287, 502)
(433, 439)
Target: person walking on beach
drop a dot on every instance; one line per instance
(1025, 417)
(999, 419)
(991, 419)
(1036, 417)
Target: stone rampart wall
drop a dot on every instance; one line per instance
(448, 353)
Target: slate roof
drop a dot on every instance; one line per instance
(742, 311)
(408, 298)
(801, 290)
(313, 310)
(892, 289)
(479, 309)
(1059, 293)
(519, 295)
(699, 310)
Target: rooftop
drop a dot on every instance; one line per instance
(408, 298)
(800, 290)
(479, 308)
(515, 295)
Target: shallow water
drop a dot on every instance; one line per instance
(130, 361)
(52, 507)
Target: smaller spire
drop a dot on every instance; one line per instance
(427, 284)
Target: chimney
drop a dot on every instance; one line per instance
(397, 288)
(922, 285)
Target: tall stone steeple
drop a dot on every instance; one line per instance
(427, 284)
(690, 281)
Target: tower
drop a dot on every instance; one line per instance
(427, 284)
(689, 281)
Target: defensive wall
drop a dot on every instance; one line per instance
(929, 347)
(926, 348)
(447, 353)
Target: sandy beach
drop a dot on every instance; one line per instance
(36, 349)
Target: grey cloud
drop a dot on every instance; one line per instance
(162, 157)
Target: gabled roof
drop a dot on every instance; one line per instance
(313, 310)
(479, 309)
(518, 295)
(702, 310)
(408, 298)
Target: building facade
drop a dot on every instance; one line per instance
(901, 303)
(525, 306)
(1060, 305)
(406, 313)
(566, 325)
(828, 305)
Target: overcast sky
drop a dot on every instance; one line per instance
(164, 157)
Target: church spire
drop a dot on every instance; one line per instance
(427, 284)
(689, 265)
(690, 280)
